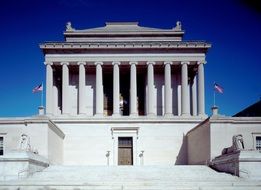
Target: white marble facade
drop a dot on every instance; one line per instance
(156, 75)
(125, 81)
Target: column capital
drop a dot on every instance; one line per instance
(64, 63)
(185, 62)
(151, 62)
(133, 62)
(48, 63)
(201, 62)
(98, 63)
(81, 63)
(116, 63)
(168, 62)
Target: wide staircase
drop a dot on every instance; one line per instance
(131, 178)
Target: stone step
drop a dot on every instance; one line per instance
(131, 178)
(25, 185)
(135, 184)
(132, 173)
(61, 187)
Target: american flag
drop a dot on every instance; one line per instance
(38, 88)
(218, 88)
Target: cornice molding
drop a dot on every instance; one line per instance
(125, 45)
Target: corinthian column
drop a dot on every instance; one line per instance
(201, 89)
(133, 89)
(116, 88)
(82, 95)
(99, 89)
(150, 81)
(49, 88)
(194, 95)
(167, 89)
(185, 111)
(65, 100)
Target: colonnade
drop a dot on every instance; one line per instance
(198, 99)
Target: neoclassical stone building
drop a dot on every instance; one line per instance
(123, 69)
(125, 81)
(123, 94)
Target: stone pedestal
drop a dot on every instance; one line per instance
(214, 111)
(41, 110)
(244, 163)
(20, 164)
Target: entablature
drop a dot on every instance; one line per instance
(142, 59)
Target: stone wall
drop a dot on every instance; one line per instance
(20, 164)
(224, 128)
(208, 139)
(244, 163)
(199, 144)
(163, 142)
(45, 137)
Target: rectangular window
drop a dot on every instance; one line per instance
(258, 143)
(1, 146)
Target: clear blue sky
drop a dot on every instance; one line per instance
(233, 27)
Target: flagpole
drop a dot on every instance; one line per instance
(42, 96)
(214, 96)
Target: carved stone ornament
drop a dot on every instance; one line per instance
(178, 26)
(69, 26)
(24, 143)
(237, 145)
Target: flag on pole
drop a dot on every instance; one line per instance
(38, 88)
(218, 88)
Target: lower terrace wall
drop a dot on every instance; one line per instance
(199, 144)
(44, 136)
(223, 129)
(207, 140)
(88, 141)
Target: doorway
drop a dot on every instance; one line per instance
(125, 151)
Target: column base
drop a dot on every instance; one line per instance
(151, 115)
(134, 115)
(202, 115)
(82, 114)
(98, 115)
(185, 115)
(168, 115)
(116, 115)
